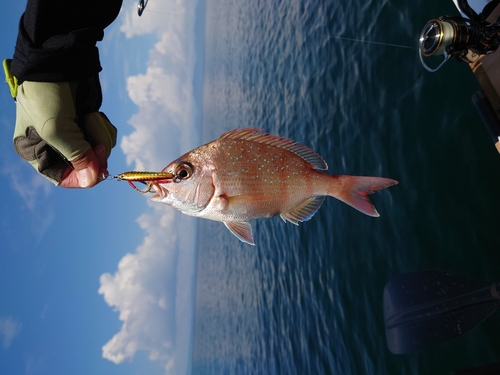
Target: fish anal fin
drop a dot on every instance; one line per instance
(242, 230)
(303, 212)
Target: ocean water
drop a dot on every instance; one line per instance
(308, 299)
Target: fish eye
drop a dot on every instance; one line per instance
(182, 172)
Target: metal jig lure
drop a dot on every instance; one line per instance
(148, 178)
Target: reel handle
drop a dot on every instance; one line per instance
(446, 57)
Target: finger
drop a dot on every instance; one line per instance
(85, 171)
(53, 116)
(99, 130)
(100, 151)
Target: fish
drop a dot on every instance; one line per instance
(248, 174)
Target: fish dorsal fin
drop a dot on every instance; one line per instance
(255, 135)
(242, 230)
(303, 212)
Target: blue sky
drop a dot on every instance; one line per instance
(101, 281)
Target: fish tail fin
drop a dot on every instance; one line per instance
(354, 191)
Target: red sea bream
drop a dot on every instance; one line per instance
(246, 175)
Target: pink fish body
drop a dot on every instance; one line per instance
(246, 175)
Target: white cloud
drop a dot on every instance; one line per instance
(20, 177)
(163, 126)
(33, 189)
(33, 365)
(170, 45)
(9, 329)
(139, 290)
(159, 88)
(160, 15)
(152, 288)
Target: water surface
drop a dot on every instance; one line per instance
(308, 299)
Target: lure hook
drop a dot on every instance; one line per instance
(147, 190)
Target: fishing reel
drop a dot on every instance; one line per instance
(463, 38)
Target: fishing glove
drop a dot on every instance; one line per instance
(49, 134)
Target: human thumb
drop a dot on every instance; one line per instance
(85, 169)
(85, 177)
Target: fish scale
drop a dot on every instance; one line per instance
(267, 174)
(247, 174)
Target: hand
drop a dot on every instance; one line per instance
(87, 169)
(48, 137)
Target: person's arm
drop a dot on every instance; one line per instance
(59, 129)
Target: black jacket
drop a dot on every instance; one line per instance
(57, 39)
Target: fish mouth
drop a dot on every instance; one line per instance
(161, 192)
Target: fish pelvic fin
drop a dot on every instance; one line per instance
(354, 191)
(242, 230)
(303, 212)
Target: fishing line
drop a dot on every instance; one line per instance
(149, 10)
(166, 12)
(372, 42)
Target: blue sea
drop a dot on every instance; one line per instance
(343, 77)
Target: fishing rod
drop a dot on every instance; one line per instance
(425, 308)
(141, 6)
(468, 39)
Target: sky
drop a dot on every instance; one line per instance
(101, 281)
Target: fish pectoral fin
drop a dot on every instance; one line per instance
(242, 230)
(304, 211)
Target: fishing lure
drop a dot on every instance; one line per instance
(148, 178)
